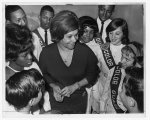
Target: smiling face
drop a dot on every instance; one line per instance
(45, 19)
(18, 17)
(127, 59)
(105, 12)
(24, 59)
(116, 36)
(69, 40)
(88, 34)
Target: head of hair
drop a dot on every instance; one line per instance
(10, 9)
(46, 8)
(63, 22)
(18, 40)
(87, 21)
(114, 24)
(22, 87)
(135, 85)
(135, 48)
(113, 7)
(139, 48)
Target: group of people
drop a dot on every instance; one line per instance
(71, 65)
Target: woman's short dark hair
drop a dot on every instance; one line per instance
(63, 22)
(87, 21)
(114, 24)
(18, 40)
(23, 86)
(135, 85)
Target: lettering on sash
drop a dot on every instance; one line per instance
(108, 58)
(114, 85)
(99, 41)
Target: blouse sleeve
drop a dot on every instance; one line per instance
(92, 70)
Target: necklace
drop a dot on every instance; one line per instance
(12, 69)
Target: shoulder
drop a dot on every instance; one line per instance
(93, 45)
(82, 47)
(35, 31)
(34, 65)
(97, 19)
(85, 51)
(51, 48)
(109, 20)
(8, 73)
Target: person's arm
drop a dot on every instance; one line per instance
(44, 57)
(92, 69)
(68, 90)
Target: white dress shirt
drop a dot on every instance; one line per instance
(36, 41)
(106, 23)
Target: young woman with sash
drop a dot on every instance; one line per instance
(129, 58)
(117, 38)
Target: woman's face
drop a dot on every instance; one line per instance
(70, 39)
(88, 34)
(116, 36)
(24, 59)
(127, 59)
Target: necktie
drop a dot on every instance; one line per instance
(102, 25)
(46, 42)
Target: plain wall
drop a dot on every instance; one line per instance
(132, 13)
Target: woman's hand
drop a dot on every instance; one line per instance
(58, 97)
(57, 92)
(56, 88)
(68, 90)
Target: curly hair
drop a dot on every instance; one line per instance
(18, 40)
(87, 21)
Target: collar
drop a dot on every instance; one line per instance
(41, 29)
(99, 21)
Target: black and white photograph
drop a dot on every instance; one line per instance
(74, 60)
